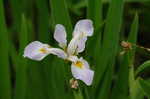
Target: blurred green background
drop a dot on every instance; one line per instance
(116, 76)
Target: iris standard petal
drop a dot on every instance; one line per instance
(72, 47)
(81, 44)
(36, 51)
(60, 35)
(84, 26)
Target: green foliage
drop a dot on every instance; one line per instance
(145, 85)
(60, 14)
(24, 21)
(21, 68)
(143, 67)
(133, 84)
(5, 87)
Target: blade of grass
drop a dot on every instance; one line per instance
(5, 83)
(123, 74)
(36, 83)
(145, 85)
(44, 36)
(94, 12)
(60, 73)
(16, 7)
(106, 1)
(132, 38)
(110, 39)
(42, 20)
(133, 34)
(60, 15)
(142, 68)
(120, 89)
(106, 84)
(77, 94)
(21, 70)
(134, 89)
(134, 86)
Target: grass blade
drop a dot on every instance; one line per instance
(106, 84)
(110, 39)
(145, 85)
(94, 12)
(142, 68)
(123, 74)
(59, 9)
(42, 20)
(5, 85)
(133, 38)
(21, 69)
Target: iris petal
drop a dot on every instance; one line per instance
(84, 26)
(36, 51)
(60, 35)
(83, 73)
(58, 52)
(86, 75)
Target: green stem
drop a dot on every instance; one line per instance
(78, 94)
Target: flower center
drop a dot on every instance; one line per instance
(79, 64)
(43, 50)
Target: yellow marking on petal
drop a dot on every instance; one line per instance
(42, 50)
(79, 64)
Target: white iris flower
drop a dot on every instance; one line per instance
(80, 68)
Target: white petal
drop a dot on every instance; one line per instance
(86, 75)
(32, 51)
(84, 26)
(81, 45)
(56, 51)
(60, 35)
(72, 47)
(73, 58)
(86, 64)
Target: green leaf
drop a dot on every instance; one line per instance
(94, 12)
(23, 35)
(145, 85)
(5, 84)
(133, 35)
(110, 38)
(133, 84)
(120, 89)
(126, 61)
(143, 67)
(106, 1)
(134, 87)
(78, 94)
(16, 7)
(105, 84)
(21, 69)
(60, 15)
(43, 20)
(37, 81)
